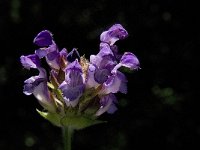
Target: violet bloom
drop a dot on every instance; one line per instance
(107, 62)
(43, 39)
(30, 61)
(107, 104)
(37, 85)
(48, 49)
(103, 62)
(73, 86)
(77, 88)
(115, 33)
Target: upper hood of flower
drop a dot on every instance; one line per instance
(43, 39)
(113, 34)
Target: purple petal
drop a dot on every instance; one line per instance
(101, 75)
(107, 62)
(73, 86)
(74, 66)
(51, 52)
(90, 82)
(53, 56)
(115, 83)
(31, 84)
(103, 66)
(30, 61)
(41, 53)
(37, 85)
(63, 53)
(115, 33)
(71, 92)
(130, 61)
(105, 50)
(43, 39)
(107, 104)
(95, 60)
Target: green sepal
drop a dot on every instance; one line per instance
(76, 122)
(52, 117)
(79, 122)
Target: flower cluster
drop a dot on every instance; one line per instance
(75, 86)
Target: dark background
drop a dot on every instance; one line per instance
(161, 109)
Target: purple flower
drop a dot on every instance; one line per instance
(107, 58)
(115, 33)
(53, 56)
(115, 83)
(43, 39)
(103, 69)
(104, 62)
(128, 60)
(105, 50)
(49, 49)
(37, 85)
(30, 61)
(107, 104)
(73, 86)
(90, 81)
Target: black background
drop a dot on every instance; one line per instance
(161, 109)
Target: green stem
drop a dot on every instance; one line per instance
(67, 137)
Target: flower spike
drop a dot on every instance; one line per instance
(78, 91)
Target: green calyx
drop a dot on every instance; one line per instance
(74, 121)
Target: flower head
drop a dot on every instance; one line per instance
(77, 87)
